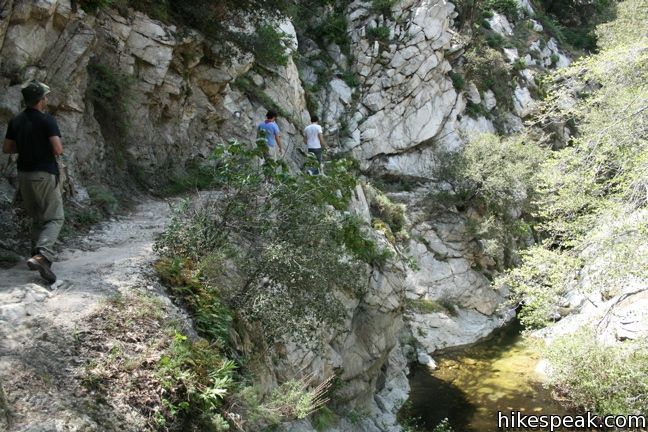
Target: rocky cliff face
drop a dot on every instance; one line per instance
(400, 111)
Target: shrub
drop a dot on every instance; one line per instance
(269, 45)
(506, 7)
(539, 284)
(495, 40)
(519, 64)
(379, 33)
(607, 380)
(110, 93)
(458, 81)
(426, 306)
(496, 177)
(247, 86)
(489, 70)
(382, 6)
(196, 176)
(103, 198)
(291, 249)
(587, 202)
(382, 207)
(573, 22)
(294, 399)
(444, 426)
(93, 6)
(331, 29)
(196, 379)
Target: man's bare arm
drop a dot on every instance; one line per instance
(9, 146)
(321, 140)
(278, 138)
(57, 146)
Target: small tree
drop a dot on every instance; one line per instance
(276, 246)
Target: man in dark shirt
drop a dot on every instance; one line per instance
(36, 138)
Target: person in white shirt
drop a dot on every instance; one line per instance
(314, 139)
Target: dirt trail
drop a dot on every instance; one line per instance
(38, 323)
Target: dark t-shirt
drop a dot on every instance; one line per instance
(31, 130)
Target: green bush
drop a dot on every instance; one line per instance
(110, 93)
(458, 81)
(539, 284)
(606, 380)
(332, 28)
(380, 34)
(196, 176)
(488, 68)
(573, 22)
(496, 177)
(247, 86)
(290, 248)
(103, 198)
(387, 211)
(268, 45)
(495, 40)
(196, 379)
(592, 217)
(93, 6)
(444, 426)
(382, 6)
(509, 8)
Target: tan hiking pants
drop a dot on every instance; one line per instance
(44, 204)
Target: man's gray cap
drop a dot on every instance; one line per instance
(33, 91)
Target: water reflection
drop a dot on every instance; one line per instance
(471, 386)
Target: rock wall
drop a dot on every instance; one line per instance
(180, 99)
(403, 109)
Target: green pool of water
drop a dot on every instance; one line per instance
(470, 386)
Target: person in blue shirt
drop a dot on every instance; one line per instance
(270, 131)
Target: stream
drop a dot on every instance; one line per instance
(470, 386)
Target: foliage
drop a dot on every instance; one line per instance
(389, 212)
(332, 29)
(444, 426)
(324, 420)
(607, 380)
(110, 93)
(103, 198)
(379, 33)
(269, 45)
(94, 5)
(495, 40)
(196, 379)
(488, 68)
(539, 284)
(497, 178)
(588, 198)
(604, 168)
(509, 8)
(573, 22)
(195, 177)
(285, 232)
(212, 319)
(426, 306)
(458, 81)
(294, 399)
(382, 6)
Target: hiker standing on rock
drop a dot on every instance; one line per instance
(36, 138)
(270, 131)
(314, 138)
